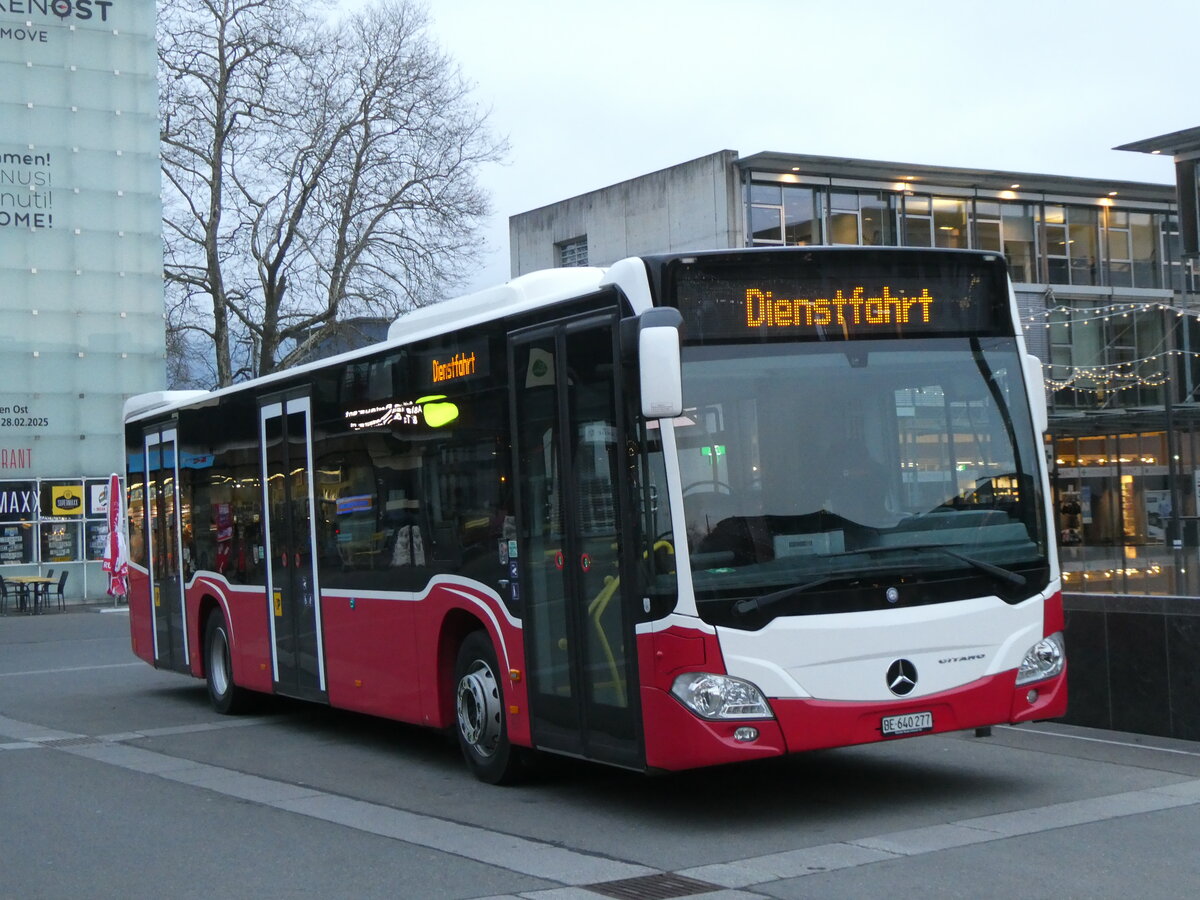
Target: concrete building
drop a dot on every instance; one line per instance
(81, 315)
(1108, 303)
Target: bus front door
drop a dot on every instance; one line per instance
(293, 592)
(579, 637)
(164, 549)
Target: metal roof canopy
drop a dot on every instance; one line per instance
(1184, 147)
(984, 179)
(1177, 143)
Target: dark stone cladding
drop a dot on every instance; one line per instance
(1134, 663)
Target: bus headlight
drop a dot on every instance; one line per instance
(1045, 659)
(720, 696)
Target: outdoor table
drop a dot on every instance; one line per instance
(37, 582)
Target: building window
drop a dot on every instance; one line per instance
(843, 217)
(950, 223)
(783, 214)
(918, 221)
(862, 217)
(1007, 228)
(573, 252)
(1178, 274)
(1102, 358)
(800, 218)
(1072, 244)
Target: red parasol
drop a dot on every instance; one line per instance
(116, 551)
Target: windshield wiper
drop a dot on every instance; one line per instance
(754, 604)
(1014, 578)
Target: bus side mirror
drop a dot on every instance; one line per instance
(659, 365)
(1037, 393)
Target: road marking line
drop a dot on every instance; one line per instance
(70, 669)
(181, 729)
(931, 839)
(1092, 740)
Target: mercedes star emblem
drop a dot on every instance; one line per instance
(901, 677)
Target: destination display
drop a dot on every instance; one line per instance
(836, 295)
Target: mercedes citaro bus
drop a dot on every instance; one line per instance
(685, 510)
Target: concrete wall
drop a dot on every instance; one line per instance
(692, 206)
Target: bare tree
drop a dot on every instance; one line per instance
(312, 172)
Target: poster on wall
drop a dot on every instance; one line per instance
(1158, 514)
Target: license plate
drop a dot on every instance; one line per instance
(909, 723)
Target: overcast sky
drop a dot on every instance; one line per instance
(592, 93)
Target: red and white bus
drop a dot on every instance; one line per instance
(690, 509)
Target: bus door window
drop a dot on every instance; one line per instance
(594, 464)
(542, 543)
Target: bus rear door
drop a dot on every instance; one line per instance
(579, 637)
(164, 549)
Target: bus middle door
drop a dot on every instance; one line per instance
(293, 592)
(568, 462)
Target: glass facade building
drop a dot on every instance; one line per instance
(81, 316)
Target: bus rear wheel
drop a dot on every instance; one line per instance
(479, 713)
(226, 697)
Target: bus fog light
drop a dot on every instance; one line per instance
(720, 696)
(746, 733)
(1032, 697)
(1045, 659)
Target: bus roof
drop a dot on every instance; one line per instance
(521, 294)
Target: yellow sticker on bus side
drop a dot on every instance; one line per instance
(278, 603)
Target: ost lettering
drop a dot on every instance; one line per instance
(763, 309)
(62, 9)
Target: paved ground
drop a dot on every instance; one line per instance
(117, 780)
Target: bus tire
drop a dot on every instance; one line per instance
(226, 697)
(480, 713)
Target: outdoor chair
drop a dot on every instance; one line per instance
(62, 600)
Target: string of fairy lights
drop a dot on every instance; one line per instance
(1148, 371)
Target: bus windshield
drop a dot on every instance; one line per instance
(818, 476)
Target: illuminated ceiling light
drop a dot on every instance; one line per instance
(1112, 193)
(1014, 186)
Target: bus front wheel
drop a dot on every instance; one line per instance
(479, 713)
(226, 697)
